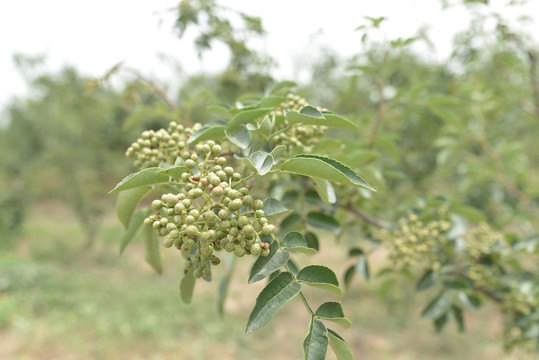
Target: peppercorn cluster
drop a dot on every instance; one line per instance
(307, 136)
(414, 241)
(212, 213)
(161, 146)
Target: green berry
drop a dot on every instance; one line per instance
(156, 224)
(168, 241)
(243, 220)
(256, 249)
(258, 205)
(216, 149)
(206, 272)
(191, 230)
(223, 214)
(197, 273)
(247, 200)
(248, 230)
(157, 204)
(235, 205)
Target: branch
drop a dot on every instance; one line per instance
(369, 218)
(158, 90)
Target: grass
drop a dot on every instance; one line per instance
(61, 300)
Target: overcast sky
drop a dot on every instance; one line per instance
(95, 35)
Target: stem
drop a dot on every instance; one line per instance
(303, 299)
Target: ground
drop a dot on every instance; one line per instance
(60, 300)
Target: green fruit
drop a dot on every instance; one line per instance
(223, 214)
(258, 205)
(191, 230)
(256, 249)
(157, 204)
(235, 204)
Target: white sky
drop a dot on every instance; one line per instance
(95, 35)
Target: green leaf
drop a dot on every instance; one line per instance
(290, 222)
(349, 275)
(224, 284)
(273, 207)
(311, 116)
(457, 314)
(355, 252)
(325, 191)
(339, 346)
(271, 299)
(246, 116)
(127, 203)
(241, 138)
(312, 240)
(323, 221)
(320, 277)
(134, 225)
(147, 176)
(175, 172)
(438, 306)
(282, 86)
(470, 213)
(440, 322)
(316, 342)
(265, 265)
(427, 280)
(207, 133)
(362, 267)
(470, 301)
(152, 250)
(324, 168)
(332, 311)
(262, 161)
(271, 101)
(296, 242)
(220, 110)
(277, 152)
(187, 285)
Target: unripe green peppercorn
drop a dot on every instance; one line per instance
(247, 200)
(168, 241)
(197, 273)
(223, 214)
(235, 205)
(157, 204)
(258, 205)
(191, 230)
(256, 249)
(189, 163)
(239, 251)
(206, 149)
(216, 149)
(243, 220)
(248, 230)
(206, 272)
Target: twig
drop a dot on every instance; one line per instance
(369, 218)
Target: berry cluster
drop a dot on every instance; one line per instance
(414, 241)
(483, 241)
(161, 146)
(306, 136)
(210, 214)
